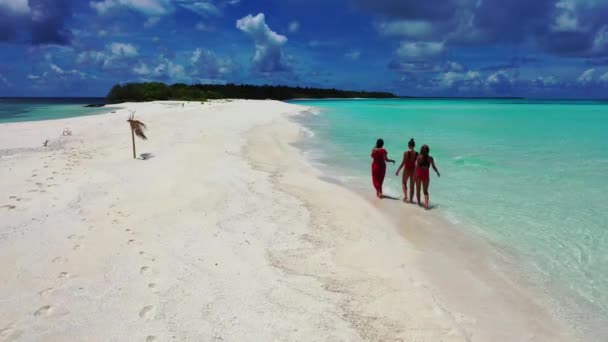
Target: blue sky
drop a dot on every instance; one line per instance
(532, 48)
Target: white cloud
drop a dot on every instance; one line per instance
(586, 76)
(207, 65)
(141, 69)
(600, 41)
(546, 81)
(566, 19)
(454, 66)
(115, 55)
(15, 6)
(354, 54)
(123, 50)
(604, 77)
(420, 50)
(294, 26)
(91, 56)
(33, 77)
(268, 44)
(451, 78)
(155, 8)
(151, 22)
(56, 69)
(202, 8)
(147, 7)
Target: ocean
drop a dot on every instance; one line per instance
(34, 109)
(530, 175)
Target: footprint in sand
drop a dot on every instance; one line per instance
(64, 275)
(76, 247)
(144, 270)
(46, 310)
(147, 312)
(151, 339)
(147, 256)
(9, 206)
(59, 259)
(9, 333)
(46, 291)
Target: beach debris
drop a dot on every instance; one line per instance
(66, 132)
(137, 129)
(45, 143)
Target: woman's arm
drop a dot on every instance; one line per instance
(400, 166)
(434, 167)
(386, 158)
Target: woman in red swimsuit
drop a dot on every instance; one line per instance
(409, 165)
(423, 163)
(380, 157)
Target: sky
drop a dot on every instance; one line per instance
(529, 48)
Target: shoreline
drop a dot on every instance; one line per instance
(458, 246)
(227, 232)
(436, 239)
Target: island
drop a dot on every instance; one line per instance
(156, 91)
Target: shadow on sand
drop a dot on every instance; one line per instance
(146, 156)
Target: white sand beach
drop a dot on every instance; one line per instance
(225, 233)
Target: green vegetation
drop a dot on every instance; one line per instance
(152, 91)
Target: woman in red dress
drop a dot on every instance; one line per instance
(409, 165)
(423, 163)
(380, 157)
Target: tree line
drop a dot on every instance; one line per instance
(156, 91)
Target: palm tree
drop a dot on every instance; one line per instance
(137, 128)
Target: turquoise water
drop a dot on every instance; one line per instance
(34, 109)
(529, 175)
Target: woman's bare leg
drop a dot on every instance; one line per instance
(412, 187)
(404, 186)
(418, 185)
(425, 186)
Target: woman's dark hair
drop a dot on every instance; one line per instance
(412, 143)
(379, 143)
(424, 150)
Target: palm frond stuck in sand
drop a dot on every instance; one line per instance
(137, 129)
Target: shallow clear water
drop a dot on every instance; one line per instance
(34, 109)
(528, 175)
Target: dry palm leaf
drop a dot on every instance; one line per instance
(138, 127)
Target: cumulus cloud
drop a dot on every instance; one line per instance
(207, 65)
(452, 78)
(35, 21)
(147, 7)
(586, 76)
(420, 50)
(156, 7)
(115, 56)
(294, 26)
(151, 22)
(123, 50)
(564, 27)
(15, 6)
(202, 8)
(268, 44)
